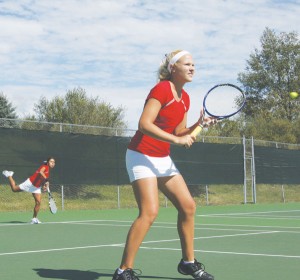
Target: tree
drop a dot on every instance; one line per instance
(271, 73)
(6, 108)
(272, 129)
(76, 108)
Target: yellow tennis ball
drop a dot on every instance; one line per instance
(294, 94)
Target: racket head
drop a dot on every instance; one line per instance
(232, 97)
(52, 206)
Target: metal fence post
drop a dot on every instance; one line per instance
(206, 192)
(283, 194)
(62, 198)
(245, 170)
(253, 172)
(118, 197)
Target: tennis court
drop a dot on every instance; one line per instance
(234, 242)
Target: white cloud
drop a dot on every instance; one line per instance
(112, 48)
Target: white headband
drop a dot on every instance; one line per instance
(175, 58)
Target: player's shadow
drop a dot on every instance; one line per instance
(69, 274)
(14, 222)
(72, 274)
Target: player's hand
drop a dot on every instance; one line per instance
(206, 121)
(186, 140)
(45, 187)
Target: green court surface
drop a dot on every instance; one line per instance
(243, 242)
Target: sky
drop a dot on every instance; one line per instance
(113, 48)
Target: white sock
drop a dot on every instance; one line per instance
(120, 270)
(187, 262)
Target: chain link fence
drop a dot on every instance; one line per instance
(79, 197)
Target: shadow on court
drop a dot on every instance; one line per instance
(14, 222)
(70, 274)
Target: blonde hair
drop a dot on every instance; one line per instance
(163, 73)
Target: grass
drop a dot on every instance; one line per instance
(112, 197)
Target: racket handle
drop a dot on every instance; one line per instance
(196, 131)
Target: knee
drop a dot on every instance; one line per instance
(153, 216)
(149, 216)
(190, 209)
(37, 203)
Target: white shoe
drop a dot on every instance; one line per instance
(35, 221)
(7, 173)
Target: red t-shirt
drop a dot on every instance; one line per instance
(169, 117)
(37, 179)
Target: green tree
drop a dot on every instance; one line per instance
(271, 73)
(272, 129)
(227, 128)
(6, 108)
(76, 108)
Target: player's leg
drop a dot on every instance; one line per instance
(12, 183)
(177, 192)
(37, 205)
(146, 195)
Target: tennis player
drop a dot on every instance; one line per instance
(150, 168)
(33, 185)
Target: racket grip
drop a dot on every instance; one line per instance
(196, 131)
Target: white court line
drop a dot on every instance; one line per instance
(174, 227)
(156, 224)
(253, 217)
(197, 226)
(202, 227)
(216, 236)
(250, 226)
(229, 253)
(60, 249)
(65, 222)
(122, 244)
(251, 213)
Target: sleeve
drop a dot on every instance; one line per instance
(160, 93)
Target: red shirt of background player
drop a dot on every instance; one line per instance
(37, 179)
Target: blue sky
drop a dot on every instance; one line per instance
(112, 48)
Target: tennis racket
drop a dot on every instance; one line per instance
(221, 101)
(52, 204)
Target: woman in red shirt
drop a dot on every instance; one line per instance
(33, 184)
(150, 168)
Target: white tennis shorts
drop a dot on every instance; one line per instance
(141, 166)
(28, 187)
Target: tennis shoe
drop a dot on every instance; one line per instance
(7, 173)
(127, 274)
(196, 269)
(35, 221)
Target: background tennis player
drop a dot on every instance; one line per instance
(33, 185)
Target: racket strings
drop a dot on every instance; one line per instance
(223, 101)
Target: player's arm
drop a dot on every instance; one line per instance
(181, 129)
(147, 126)
(42, 172)
(204, 121)
(46, 185)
